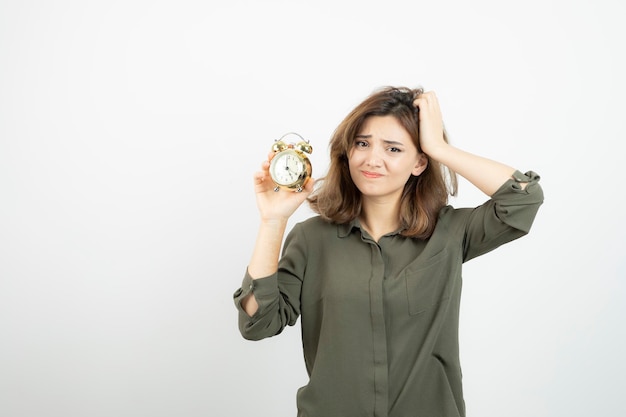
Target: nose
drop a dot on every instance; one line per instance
(374, 159)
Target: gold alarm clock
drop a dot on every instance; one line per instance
(290, 167)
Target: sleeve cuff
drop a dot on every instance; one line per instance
(264, 289)
(531, 178)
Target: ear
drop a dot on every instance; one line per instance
(420, 165)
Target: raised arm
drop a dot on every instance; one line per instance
(486, 174)
(275, 208)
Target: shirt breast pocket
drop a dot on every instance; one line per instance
(427, 283)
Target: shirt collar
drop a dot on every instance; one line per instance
(343, 230)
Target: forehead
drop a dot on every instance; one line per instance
(384, 128)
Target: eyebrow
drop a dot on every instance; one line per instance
(388, 142)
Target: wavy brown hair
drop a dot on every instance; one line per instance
(338, 200)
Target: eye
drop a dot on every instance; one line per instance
(360, 144)
(393, 149)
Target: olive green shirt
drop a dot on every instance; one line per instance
(380, 319)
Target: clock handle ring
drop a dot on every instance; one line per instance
(294, 133)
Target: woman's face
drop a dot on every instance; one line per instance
(383, 157)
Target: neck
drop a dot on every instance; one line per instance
(379, 218)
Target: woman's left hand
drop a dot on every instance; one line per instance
(431, 123)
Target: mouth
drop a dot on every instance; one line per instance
(368, 174)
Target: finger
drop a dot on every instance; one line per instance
(259, 177)
(308, 187)
(424, 99)
(420, 102)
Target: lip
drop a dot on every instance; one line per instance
(369, 174)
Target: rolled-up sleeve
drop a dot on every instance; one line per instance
(507, 216)
(266, 293)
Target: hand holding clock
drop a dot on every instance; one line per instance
(277, 205)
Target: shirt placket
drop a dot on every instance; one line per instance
(379, 338)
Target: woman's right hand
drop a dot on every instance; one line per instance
(281, 204)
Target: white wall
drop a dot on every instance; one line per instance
(129, 133)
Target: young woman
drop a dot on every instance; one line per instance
(376, 277)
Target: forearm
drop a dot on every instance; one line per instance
(264, 260)
(486, 174)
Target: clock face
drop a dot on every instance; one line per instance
(287, 168)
